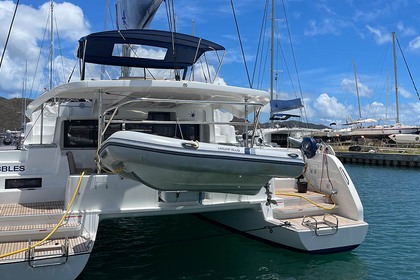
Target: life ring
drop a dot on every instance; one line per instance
(309, 146)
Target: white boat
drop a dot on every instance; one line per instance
(380, 131)
(196, 166)
(404, 138)
(55, 189)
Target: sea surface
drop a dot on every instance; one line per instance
(187, 247)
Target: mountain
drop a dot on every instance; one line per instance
(11, 114)
(289, 123)
(11, 117)
(295, 124)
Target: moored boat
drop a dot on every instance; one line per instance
(406, 138)
(196, 166)
(125, 147)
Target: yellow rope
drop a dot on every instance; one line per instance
(56, 227)
(310, 201)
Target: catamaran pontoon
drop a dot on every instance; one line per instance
(56, 189)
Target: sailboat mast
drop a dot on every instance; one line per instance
(395, 79)
(357, 90)
(272, 59)
(51, 44)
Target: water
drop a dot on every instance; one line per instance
(187, 247)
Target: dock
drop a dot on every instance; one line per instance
(380, 158)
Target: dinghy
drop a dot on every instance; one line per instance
(171, 164)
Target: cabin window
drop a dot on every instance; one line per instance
(279, 139)
(84, 133)
(183, 131)
(27, 183)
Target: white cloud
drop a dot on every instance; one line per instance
(329, 107)
(323, 27)
(414, 44)
(29, 43)
(350, 85)
(405, 30)
(380, 36)
(404, 93)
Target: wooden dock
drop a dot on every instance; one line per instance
(377, 158)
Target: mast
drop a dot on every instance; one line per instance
(397, 120)
(357, 90)
(51, 44)
(272, 59)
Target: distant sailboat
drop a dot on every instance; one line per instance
(381, 131)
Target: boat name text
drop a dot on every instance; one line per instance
(12, 168)
(228, 149)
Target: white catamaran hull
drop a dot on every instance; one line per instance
(68, 271)
(174, 165)
(406, 138)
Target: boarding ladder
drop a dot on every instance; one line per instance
(327, 226)
(47, 255)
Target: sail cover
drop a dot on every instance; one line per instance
(136, 14)
(285, 105)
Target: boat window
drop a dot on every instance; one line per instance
(183, 131)
(27, 183)
(84, 133)
(279, 139)
(80, 133)
(139, 51)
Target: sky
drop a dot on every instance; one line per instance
(321, 48)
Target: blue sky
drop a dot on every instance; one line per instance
(326, 36)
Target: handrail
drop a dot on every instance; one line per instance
(55, 228)
(181, 101)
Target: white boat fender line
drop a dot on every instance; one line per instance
(191, 145)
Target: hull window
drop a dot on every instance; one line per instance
(27, 183)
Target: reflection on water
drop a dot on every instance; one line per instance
(187, 247)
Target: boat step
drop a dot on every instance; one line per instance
(76, 245)
(38, 231)
(300, 210)
(291, 197)
(35, 220)
(37, 208)
(306, 223)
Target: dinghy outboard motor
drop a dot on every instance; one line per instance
(309, 146)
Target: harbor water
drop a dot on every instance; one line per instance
(187, 247)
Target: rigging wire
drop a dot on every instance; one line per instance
(38, 60)
(294, 60)
(240, 42)
(408, 68)
(59, 48)
(170, 15)
(258, 58)
(8, 34)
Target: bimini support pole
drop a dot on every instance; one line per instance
(100, 126)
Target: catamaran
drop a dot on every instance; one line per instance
(160, 142)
